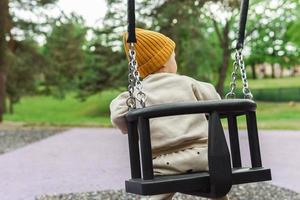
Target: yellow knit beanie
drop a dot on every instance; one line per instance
(153, 50)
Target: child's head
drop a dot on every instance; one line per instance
(154, 52)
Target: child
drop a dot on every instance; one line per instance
(179, 143)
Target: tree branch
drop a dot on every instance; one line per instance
(217, 31)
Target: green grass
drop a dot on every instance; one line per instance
(279, 115)
(284, 116)
(269, 83)
(47, 110)
(275, 90)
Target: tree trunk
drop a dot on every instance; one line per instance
(2, 94)
(294, 71)
(253, 71)
(273, 71)
(281, 71)
(225, 60)
(11, 105)
(3, 31)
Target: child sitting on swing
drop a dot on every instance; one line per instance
(179, 143)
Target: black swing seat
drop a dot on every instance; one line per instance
(198, 182)
(225, 167)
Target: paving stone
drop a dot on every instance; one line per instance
(254, 191)
(13, 138)
(96, 159)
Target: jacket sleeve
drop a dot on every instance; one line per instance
(118, 110)
(205, 91)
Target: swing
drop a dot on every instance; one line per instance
(225, 167)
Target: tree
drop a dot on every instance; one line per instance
(221, 24)
(204, 31)
(265, 19)
(195, 55)
(197, 48)
(65, 55)
(25, 66)
(105, 61)
(182, 25)
(269, 41)
(103, 68)
(14, 29)
(3, 44)
(294, 26)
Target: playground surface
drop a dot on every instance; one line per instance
(95, 159)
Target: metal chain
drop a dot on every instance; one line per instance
(239, 63)
(131, 103)
(231, 94)
(134, 81)
(246, 91)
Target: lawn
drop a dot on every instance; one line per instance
(284, 116)
(269, 83)
(46, 110)
(50, 111)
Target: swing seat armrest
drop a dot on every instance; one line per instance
(223, 107)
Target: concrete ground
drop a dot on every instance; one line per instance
(93, 159)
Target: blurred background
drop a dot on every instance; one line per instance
(62, 61)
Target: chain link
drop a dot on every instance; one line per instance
(131, 103)
(134, 82)
(231, 94)
(246, 91)
(239, 63)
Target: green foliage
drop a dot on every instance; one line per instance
(269, 40)
(204, 43)
(294, 26)
(23, 60)
(65, 55)
(24, 66)
(103, 68)
(29, 26)
(195, 49)
(293, 32)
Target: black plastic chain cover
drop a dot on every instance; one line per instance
(131, 22)
(242, 24)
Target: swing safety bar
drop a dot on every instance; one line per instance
(221, 106)
(221, 176)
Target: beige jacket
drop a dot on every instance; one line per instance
(170, 134)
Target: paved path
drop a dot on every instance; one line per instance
(90, 159)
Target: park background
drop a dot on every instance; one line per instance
(62, 62)
(61, 66)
